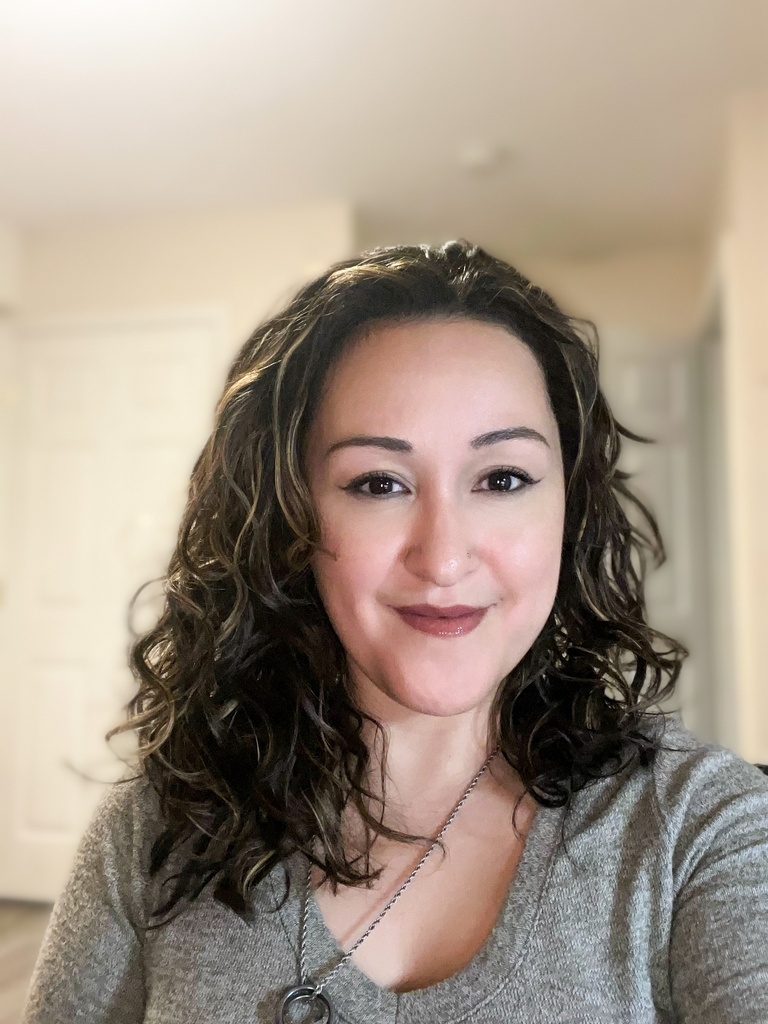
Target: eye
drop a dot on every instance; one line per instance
(505, 480)
(380, 484)
(508, 479)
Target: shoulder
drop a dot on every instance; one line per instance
(710, 799)
(687, 776)
(692, 800)
(90, 966)
(114, 853)
(688, 772)
(130, 800)
(126, 817)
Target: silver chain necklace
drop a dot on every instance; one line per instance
(309, 991)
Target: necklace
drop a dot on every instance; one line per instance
(309, 991)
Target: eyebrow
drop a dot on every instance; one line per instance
(396, 444)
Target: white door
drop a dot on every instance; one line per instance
(657, 392)
(112, 417)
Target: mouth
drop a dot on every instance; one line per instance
(457, 620)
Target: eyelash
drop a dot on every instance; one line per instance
(359, 482)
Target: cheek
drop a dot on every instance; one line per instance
(354, 569)
(528, 561)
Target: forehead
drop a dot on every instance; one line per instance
(464, 368)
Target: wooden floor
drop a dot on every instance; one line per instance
(22, 926)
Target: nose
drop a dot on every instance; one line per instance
(440, 548)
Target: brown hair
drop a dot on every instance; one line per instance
(247, 729)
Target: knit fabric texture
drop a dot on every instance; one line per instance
(644, 900)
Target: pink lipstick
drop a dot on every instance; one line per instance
(456, 620)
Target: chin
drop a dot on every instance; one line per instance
(440, 705)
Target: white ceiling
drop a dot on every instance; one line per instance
(612, 112)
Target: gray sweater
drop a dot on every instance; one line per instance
(654, 909)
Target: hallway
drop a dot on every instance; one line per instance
(22, 926)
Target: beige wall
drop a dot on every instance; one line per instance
(243, 263)
(9, 267)
(239, 265)
(647, 296)
(8, 401)
(744, 282)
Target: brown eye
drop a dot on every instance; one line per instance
(380, 485)
(507, 480)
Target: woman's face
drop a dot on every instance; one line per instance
(435, 466)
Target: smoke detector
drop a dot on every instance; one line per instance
(481, 157)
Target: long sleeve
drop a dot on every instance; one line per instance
(719, 940)
(90, 966)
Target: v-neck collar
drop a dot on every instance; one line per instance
(355, 997)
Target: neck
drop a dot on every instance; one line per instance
(430, 759)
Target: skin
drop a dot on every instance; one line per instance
(452, 524)
(444, 534)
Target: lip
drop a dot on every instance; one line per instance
(458, 620)
(433, 611)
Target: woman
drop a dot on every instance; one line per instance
(406, 604)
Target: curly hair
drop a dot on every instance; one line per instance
(247, 727)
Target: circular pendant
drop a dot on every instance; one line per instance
(315, 1009)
